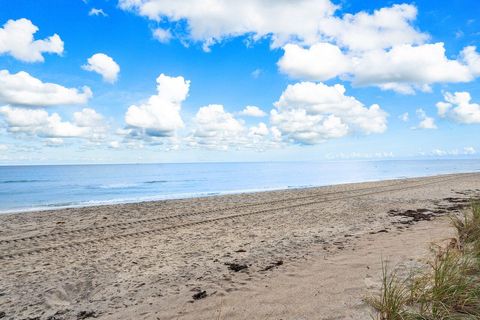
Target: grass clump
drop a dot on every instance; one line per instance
(448, 289)
(394, 296)
(468, 227)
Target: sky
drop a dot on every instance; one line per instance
(133, 81)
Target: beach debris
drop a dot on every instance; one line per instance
(236, 266)
(202, 294)
(273, 265)
(379, 231)
(241, 250)
(455, 205)
(2, 314)
(413, 215)
(86, 314)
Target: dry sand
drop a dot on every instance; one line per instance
(310, 253)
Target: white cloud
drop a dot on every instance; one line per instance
(302, 21)
(384, 28)
(97, 12)
(103, 65)
(16, 39)
(322, 61)
(403, 68)
(469, 150)
(404, 117)
(454, 152)
(406, 67)
(426, 122)
(88, 118)
(283, 20)
(23, 89)
(114, 144)
(162, 35)
(253, 111)
(310, 113)
(360, 155)
(38, 122)
(381, 48)
(3, 147)
(458, 106)
(215, 128)
(160, 115)
(471, 58)
(261, 130)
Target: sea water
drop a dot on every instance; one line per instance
(25, 188)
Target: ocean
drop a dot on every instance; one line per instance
(27, 188)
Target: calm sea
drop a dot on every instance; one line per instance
(24, 188)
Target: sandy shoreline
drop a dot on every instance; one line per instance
(304, 252)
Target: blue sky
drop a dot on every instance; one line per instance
(319, 65)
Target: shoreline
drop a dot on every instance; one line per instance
(159, 199)
(188, 258)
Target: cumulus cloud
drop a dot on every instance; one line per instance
(458, 106)
(97, 12)
(160, 115)
(38, 122)
(426, 122)
(405, 67)
(88, 118)
(215, 128)
(471, 58)
(310, 113)
(283, 20)
(103, 65)
(384, 28)
(381, 48)
(253, 111)
(16, 39)
(23, 89)
(303, 21)
(322, 61)
(402, 68)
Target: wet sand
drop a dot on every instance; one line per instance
(311, 253)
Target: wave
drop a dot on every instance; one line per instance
(22, 181)
(117, 186)
(156, 181)
(92, 203)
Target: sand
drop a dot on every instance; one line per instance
(311, 253)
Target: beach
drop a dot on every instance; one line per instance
(311, 253)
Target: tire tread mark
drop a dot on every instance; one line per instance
(143, 221)
(156, 230)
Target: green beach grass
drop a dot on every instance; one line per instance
(448, 288)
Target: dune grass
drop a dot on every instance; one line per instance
(449, 288)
